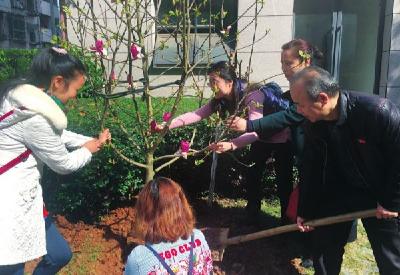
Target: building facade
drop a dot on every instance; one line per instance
(360, 40)
(28, 23)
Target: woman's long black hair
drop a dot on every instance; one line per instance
(49, 62)
(226, 72)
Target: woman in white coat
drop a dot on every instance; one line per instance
(32, 133)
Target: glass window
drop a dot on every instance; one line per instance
(44, 21)
(167, 52)
(17, 28)
(18, 4)
(3, 30)
(347, 32)
(200, 13)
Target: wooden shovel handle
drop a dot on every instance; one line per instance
(293, 227)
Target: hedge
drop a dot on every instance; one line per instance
(14, 62)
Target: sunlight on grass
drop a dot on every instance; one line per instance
(271, 207)
(358, 258)
(82, 262)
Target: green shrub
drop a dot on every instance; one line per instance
(14, 62)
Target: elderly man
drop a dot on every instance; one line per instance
(351, 162)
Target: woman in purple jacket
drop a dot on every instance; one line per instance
(232, 95)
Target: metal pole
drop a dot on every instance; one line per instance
(214, 164)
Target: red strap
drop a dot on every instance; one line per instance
(22, 157)
(19, 159)
(3, 117)
(291, 211)
(45, 212)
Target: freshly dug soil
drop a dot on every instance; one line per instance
(102, 248)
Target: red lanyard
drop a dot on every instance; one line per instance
(22, 157)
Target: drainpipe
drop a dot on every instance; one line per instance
(52, 18)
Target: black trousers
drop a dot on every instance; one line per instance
(384, 235)
(259, 153)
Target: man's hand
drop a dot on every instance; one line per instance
(382, 213)
(221, 147)
(302, 227)
(237, 124)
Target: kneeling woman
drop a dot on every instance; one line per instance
(165, 225)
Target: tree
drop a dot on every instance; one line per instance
(123, 41)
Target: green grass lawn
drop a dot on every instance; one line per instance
(358, 258)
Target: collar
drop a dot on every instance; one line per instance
(58, 102)
(36, 101)
(342, 101)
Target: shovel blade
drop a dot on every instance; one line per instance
(215, 237)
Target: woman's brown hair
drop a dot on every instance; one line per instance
(163, 213)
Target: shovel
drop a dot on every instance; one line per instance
(218, 237)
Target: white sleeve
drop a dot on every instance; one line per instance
(46, 145)
(73, 140)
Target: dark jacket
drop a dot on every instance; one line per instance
(273, 123)
(353, 163)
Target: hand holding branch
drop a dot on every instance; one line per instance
(156, 128)
(94, 145)
(221, 147)
(237, 124)
(104, 137)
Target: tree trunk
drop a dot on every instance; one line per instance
(150, 167)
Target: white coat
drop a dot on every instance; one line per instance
(41, 128)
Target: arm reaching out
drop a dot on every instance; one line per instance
(186, 118)
(254, 102)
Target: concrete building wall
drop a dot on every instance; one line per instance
(84, 36)
(390, 70)
(105, 16)
(276, 17)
